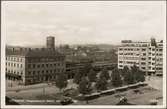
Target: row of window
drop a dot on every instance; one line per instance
(17, 59)
(153, 49)
(129, 49)
(137, 49)
(129, 58)
(11, 64)
(43, 72)
(45, 65)
(14, 72)
(46, 59)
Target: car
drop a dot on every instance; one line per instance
(153, 102)
(66, 101)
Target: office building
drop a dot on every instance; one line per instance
(148, 56)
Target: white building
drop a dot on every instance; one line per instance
(146, 55)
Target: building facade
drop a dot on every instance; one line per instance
(34, 66)
(148, 56)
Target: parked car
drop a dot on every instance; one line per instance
(66, 101)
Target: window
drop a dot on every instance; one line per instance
(29, 73)
(21, 73)
(29, 65)
(33, 72)
(120, 48)
(46, 65)
(50, 65)
(144, 54)
(21, 66)
(143, 49)
(38, 65)
(42, 71)
(120, 61)
(33, 65)
(120, 66)
(42, 65)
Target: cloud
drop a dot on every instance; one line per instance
(83, 21)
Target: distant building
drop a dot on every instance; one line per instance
(50, 42)
(74, 67)
(148, 56)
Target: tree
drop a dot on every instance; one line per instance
(116, 78)
(101, 84)
(85, 87)
(124, 71)
(77, 77)
(61, 81)
(86, 68)
(92, 76)
(105, 74)
(138, 74)
(128, 75)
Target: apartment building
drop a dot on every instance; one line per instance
(148, 56)
(34, 66)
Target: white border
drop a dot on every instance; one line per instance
(3, 40)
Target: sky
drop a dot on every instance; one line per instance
(27, 23)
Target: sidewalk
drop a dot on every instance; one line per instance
(22, 87)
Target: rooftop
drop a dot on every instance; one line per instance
(34, 53)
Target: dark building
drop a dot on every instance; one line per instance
(50, 42)
(29, 65)
(34, 66)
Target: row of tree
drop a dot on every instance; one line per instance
(117, 78)
(88, 76)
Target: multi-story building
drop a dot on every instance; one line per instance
(148, 56)
(34, 66)
(31, 66)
